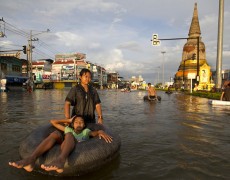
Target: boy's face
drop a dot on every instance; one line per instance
(86, 78)
(78, 124)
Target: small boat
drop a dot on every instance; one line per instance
(168, 92)
(219, 102)
(86, 157)
(145, 98)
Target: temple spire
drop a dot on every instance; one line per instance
(194, 30)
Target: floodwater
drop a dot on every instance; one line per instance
(181, 137)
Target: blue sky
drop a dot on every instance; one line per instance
(115, 33)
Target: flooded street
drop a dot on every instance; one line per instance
(181, 137)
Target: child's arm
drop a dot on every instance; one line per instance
(59, 123)
(101, 134)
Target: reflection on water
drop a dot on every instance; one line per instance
(181, 137)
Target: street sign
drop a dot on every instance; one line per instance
(191, 75)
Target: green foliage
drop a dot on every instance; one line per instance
(158, 85)
(203, 94)
(207, 94)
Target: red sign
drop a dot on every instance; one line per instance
(45, 76)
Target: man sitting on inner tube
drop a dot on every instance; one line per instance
(152, 94)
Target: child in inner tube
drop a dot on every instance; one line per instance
(75, 132)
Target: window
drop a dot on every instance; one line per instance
(4, 67)
(16, 68)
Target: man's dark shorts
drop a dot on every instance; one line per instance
(152, 97)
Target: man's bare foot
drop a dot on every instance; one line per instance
(27, 164)
(56, 165)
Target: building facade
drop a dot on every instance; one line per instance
(11, 70)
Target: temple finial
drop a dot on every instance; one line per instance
(194, 30)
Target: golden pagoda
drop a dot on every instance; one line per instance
(191, 67)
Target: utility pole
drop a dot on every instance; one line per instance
(30, 69)
(101, 79)
(30, 59)
(158, 72)
(75, 71)
(163, 78)
(117, 80)
(220, 45)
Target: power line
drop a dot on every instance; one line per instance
(13, 29)
(47, 47)
(41, 53)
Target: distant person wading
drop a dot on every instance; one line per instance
(151, 92)
(225, 96)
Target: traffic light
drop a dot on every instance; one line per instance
(194, 56)
(155, 40)
(24, 49)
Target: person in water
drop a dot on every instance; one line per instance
(75, 132)
(151, 92)
(225, 96)
(169, 90)
(84, 99)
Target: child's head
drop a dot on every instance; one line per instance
(78, 123)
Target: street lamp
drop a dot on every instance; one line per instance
(117, 80)
(158, 72)
(163, 79)
(101, 79)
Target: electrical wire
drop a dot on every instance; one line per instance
(41, 45)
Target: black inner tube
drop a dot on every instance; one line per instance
(86, 157)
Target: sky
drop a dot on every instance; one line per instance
(115, 34)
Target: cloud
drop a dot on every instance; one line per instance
(69, 39)
(131, 45)
(3, 43)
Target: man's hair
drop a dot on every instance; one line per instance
(84, 71)
(149, 84)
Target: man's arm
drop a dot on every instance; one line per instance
(149, 92)
(221, 97)
(67, 109)
(99, 113)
